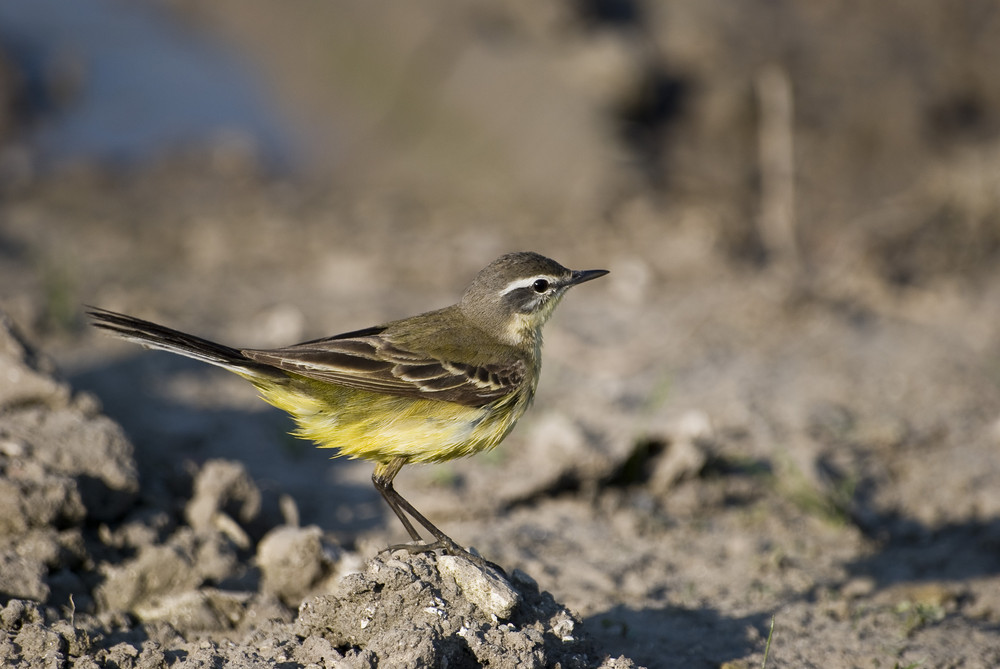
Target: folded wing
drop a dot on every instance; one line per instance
(370, 361)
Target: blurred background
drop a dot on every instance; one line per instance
(799, 204)
(856, 142)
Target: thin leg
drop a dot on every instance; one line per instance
(382, 478)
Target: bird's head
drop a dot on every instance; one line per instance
(513, 296)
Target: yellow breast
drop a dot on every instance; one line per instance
(373, 426)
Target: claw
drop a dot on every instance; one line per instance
(447, 547)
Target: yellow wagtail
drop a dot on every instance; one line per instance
(428, 388)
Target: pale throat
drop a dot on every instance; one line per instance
(524, 331)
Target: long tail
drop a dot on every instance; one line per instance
(163, 338)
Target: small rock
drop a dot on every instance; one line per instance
(19, 612)
(196, 610)
(222, 486)
(859, 586)
(158, 570)
(13, 448)
(291, 560)
(23, 577)
(483, 587)
(685, 455)
(38, 642)
(25, 377)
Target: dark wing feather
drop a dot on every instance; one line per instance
(368, 361)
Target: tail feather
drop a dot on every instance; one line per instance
(152, 335)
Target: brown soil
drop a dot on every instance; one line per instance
(783, 402)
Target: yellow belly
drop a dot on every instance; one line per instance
(372, 426)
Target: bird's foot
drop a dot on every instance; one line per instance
(448, 547)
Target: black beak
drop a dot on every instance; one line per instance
(581, 275)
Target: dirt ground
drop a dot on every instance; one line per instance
(782, 404)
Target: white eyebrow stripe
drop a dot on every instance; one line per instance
(524, 283)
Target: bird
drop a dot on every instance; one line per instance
(429, 388)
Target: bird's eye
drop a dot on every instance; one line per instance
(540, 285)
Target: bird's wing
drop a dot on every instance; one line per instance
(367, 360)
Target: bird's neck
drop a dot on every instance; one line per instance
(524, 334)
